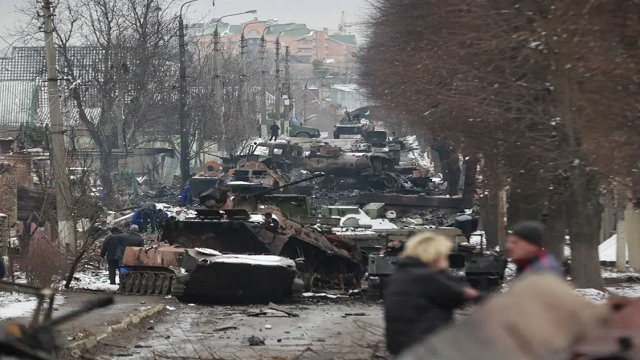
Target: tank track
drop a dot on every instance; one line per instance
(152, 283)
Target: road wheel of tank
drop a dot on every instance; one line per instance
(151, 284)
(123, 282)
(177, 287)
(136, 278)
(166, 284)
(127, 283)
(143, 283)
(159, 281)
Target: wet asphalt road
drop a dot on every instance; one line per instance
(326, 330)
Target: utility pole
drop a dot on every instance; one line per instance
(66, 225)
(218, 88)
(244, 88)
(218, 106)
(263, 90)
(287, 84)
(304, 109)
(278, 92)
(185, 146)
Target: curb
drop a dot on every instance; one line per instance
(93, 340)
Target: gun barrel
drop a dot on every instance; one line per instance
(264, 192)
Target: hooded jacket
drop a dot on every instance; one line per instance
(417, 302)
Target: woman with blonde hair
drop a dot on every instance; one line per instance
(420, 297)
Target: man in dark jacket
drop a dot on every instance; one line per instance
(112, 250)
(526, 250)
(3, 271)
(148, 213)
(275, 131)
(132, 237)
(420, 297)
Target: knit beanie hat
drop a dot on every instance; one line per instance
(529, 231)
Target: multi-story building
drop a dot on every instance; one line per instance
(305, 44)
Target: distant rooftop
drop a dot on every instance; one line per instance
(345, 39)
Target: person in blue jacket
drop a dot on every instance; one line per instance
(136, 219)
(186, 198)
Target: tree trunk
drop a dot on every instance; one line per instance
(470, 177)
(107, 168)
(585, 213)
(556, 230)
(492, 219)
(450, 163)
(525, 201)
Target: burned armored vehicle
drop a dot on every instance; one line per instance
(227, 254)
(203, 274)
(482, 270)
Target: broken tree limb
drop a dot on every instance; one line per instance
(275, 307)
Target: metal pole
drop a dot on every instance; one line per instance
(66, 226)
(218, 94)
(185, 169)
(278, 92)
(244, 88)
(304, 109)
(263, 91)
(287, 83)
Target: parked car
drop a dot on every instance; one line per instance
(296, 130)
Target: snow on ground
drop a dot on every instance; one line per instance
(95, 280)
(593, 294)
(612, 273)
(15, 305)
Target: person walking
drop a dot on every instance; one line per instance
(420, 297)
(525, 247)
(112, 250)
(275, 131)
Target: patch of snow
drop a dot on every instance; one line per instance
(593, 294)
(627, 290)
(95, 280)
(612, 273)
(15, 305)
(322, 295)
(263, 260)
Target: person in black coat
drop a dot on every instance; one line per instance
(420, 297)
(112, 250)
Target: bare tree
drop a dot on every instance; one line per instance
(525, 84)
(117, 58)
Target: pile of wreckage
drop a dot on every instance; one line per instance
(223, 250)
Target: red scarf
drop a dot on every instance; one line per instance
(523, 264)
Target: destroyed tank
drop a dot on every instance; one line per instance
(184, 264)
(483, 271)
(227, 255)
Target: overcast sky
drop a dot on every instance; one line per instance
(315, 13)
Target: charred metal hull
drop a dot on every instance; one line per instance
(194, 275)
(240, 282)
(325, 257)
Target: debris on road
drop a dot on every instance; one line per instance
(282, 310)
(255, 341)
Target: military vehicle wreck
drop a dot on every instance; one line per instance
(226, 254)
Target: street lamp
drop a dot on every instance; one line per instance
(185, 169)
(244, 89)
(217, 86)
(236, 14)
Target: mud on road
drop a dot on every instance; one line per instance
(323, 330)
